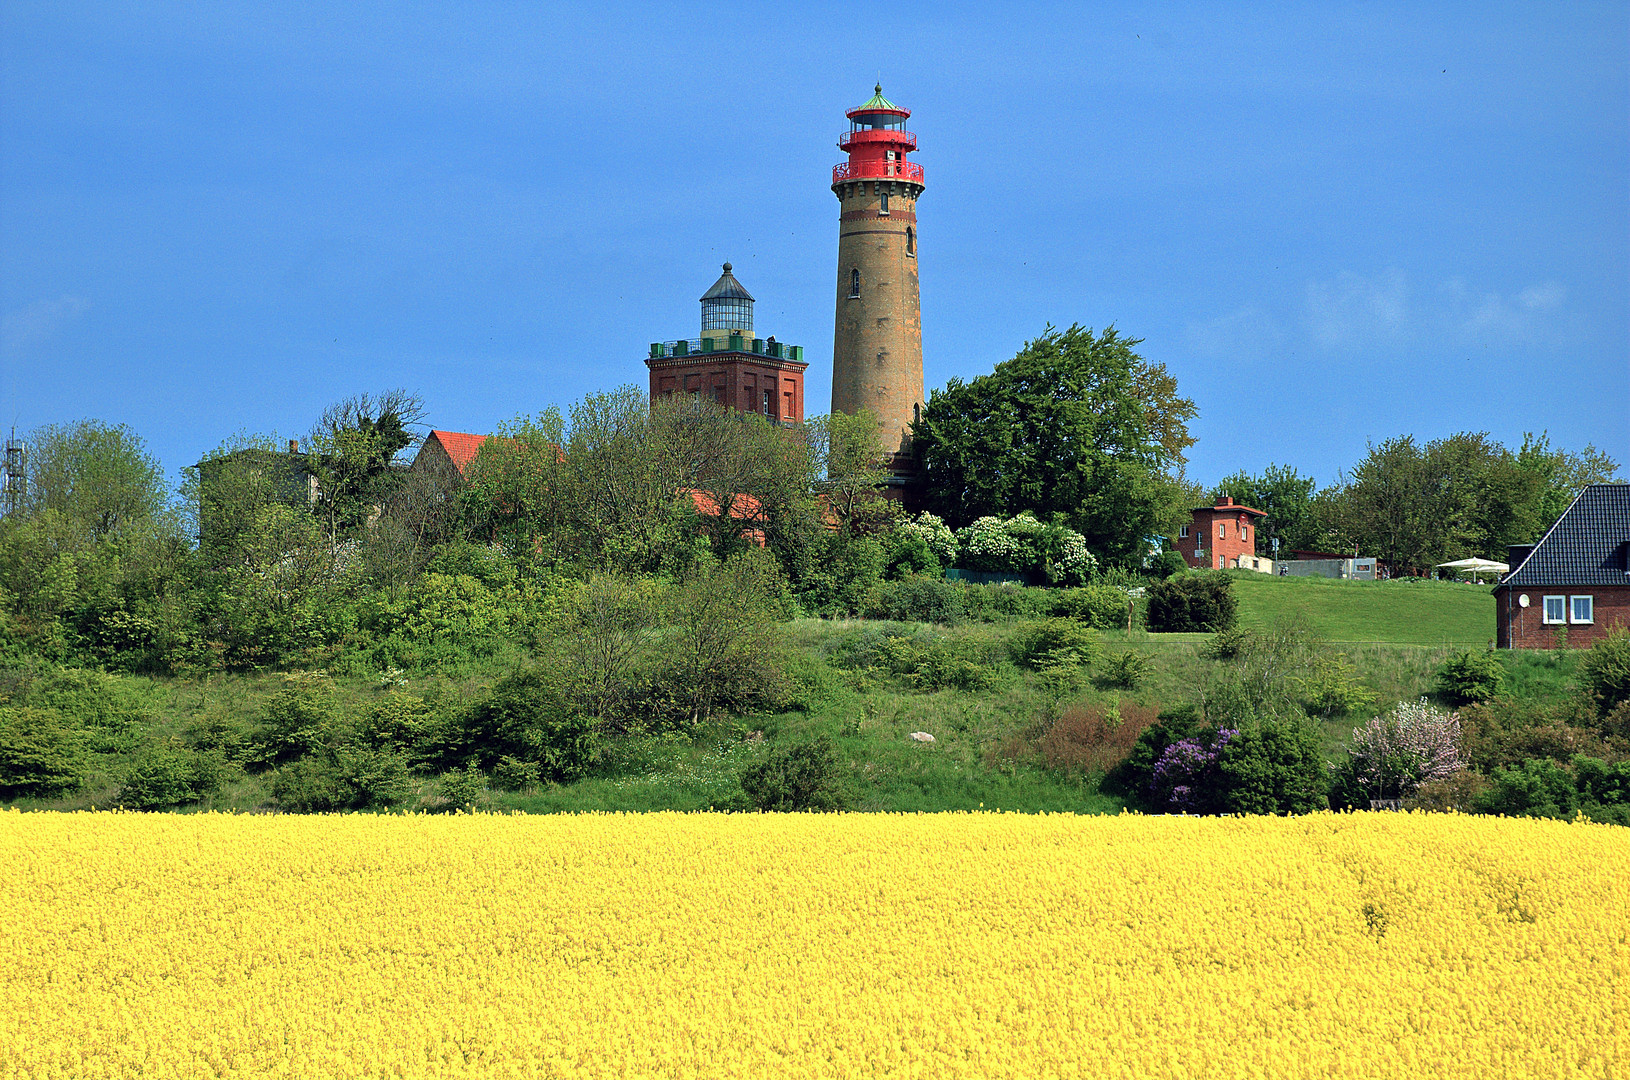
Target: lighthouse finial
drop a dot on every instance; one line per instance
(878, 89)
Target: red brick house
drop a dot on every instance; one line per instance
(1572, 587)
(1220, 536)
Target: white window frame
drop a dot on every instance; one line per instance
(1590, 609)
(1545, 610)
(1183, 533)
(1222, 530)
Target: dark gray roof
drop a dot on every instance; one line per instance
(1587, 545)
(727, 288)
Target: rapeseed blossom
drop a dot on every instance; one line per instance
(956, 945)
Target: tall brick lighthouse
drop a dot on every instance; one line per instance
(877, 354)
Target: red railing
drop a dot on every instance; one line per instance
(907, 139)
(880, 170)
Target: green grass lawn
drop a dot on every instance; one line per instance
(1406, 612)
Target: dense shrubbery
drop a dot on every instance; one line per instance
(1271, 766)
(1101, 607)
(1604, 671)
(1544, 788)
(1469, 676)
(590, 587)
(1199, 602)
(918, 599)
(39, 753)
(805, 776)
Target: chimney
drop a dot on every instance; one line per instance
(1225, 500)
(294, 446)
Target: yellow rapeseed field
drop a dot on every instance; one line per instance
(987, 945)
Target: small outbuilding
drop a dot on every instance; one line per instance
(1220, 537)
(1573, 587)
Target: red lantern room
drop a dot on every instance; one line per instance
(877, 143)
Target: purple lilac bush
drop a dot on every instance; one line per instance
(1186, 777)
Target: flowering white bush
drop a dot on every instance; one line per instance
(987, 545)
(934, 534)
(1413, 744)
(1072, 562)
(1021, 544)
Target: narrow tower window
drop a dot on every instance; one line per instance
(911, 240)
(854, 283)
(883, 203)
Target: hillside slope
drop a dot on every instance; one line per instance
(1404, 612)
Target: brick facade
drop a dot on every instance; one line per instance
(877, 355)
(1218, 537)
(1585, 553)
(737, 379)
(1519, 627)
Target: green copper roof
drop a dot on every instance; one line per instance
(877, 103)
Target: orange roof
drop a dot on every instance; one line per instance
(742, 507)
(461, 447)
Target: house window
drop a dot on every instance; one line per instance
(1579, 609)
(1183, 533)
(1222, 531)
(854, 284)
(1556, 610)
(769, 404)
(883, 203)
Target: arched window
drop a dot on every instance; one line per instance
(883, 203)
(911, 241)
(854, 283)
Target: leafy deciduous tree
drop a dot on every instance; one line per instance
(1077, 425)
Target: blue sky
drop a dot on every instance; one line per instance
(1333, 223)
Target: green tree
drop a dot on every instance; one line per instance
(96, 558)
(98, 477)
(1077, 425)
(1415, 505)
(514, 492)
(850, 466)
(1561, 474)
(726, 640)
(352, 448)
(1286, 497)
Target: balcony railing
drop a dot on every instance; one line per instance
(777, 350)
(862, 136)
(880, 170)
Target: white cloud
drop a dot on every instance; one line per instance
(1247, 335)
(40, 320)
(1355, 312)
(1543, 297)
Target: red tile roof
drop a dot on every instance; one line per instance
(461, 447)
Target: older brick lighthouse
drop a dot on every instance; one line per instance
(877, 354)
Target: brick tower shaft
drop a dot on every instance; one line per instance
(877, 356)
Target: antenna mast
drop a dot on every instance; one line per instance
(16, 475)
